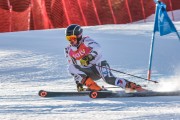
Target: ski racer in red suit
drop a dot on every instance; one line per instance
(85, 58)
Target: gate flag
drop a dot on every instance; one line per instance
(163, 23)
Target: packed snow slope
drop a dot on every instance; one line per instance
(34, 60)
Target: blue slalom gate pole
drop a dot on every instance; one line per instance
(152, 41)
(151, 56)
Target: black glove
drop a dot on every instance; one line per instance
(79, 87)
(86, 59)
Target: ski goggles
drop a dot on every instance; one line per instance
(71, 38)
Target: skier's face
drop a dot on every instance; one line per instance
(72, 39)
(73, 42)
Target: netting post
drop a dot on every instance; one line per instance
(10, 16)
(95, 10)
(143, 11)
(110, 7)
(129, 13)
(32, 5)
(65, 11)
(84, 19)
(29, 16)
(170, 4)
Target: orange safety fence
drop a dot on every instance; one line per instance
(22, 15)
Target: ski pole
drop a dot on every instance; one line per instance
(118, 87)
(126, 73)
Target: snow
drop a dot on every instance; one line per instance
(34, 60)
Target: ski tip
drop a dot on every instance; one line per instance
(156, 82)
(42, 93)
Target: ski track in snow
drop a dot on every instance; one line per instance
(31, 66)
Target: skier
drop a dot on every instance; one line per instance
(86, 63)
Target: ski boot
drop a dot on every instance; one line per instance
(132, 87)
(92, 85)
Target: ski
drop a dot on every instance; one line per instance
(107, 94)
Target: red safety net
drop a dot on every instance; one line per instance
(5, 17)
(39, 15)
(21, 15)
